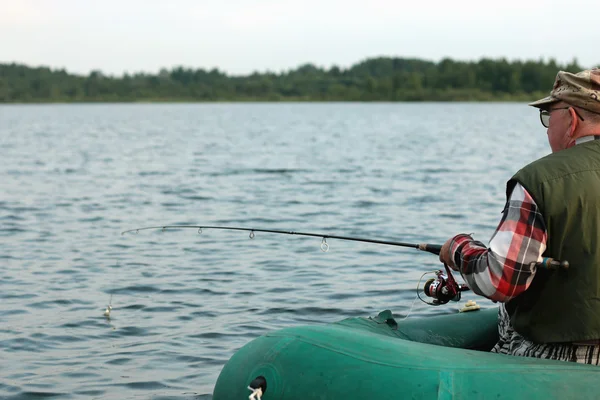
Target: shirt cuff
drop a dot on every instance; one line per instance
(456, 245)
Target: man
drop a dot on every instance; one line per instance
(552, 210)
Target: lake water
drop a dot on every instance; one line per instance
(73, 177)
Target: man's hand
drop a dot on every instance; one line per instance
(445, 255)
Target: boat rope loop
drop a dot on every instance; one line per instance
(256, 393)
(258, 387)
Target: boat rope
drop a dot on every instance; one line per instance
(258, 387)
(256, 393)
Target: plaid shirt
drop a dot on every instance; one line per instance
(507, 267)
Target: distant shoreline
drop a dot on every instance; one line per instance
(287, 101)
(374, 80)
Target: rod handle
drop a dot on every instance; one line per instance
(547, 262)
(432, 248)
(551, 263)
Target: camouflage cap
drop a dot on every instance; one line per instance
(580, 90)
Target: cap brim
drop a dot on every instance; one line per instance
(542, 103)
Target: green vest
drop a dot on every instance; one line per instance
(564, 305)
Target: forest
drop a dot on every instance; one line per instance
(374, 79)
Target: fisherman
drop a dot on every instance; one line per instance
(552, 210)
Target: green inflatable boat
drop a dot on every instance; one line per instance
(439, 357)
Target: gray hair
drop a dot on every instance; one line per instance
(589, 116)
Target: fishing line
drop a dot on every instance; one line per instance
(417, 297)
(442, 289)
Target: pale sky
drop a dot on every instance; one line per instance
(242, 36)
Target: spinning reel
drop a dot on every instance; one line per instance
(443, 288)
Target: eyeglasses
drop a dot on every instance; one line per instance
(545, 115)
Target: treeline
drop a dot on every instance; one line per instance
(377, 79)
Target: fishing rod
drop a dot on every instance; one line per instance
(442, 289)
(431, 248)
(547, 262)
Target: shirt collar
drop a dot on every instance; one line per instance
(586, 139)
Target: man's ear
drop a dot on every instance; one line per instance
(574, 122)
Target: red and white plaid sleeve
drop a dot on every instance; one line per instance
(507, 267)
